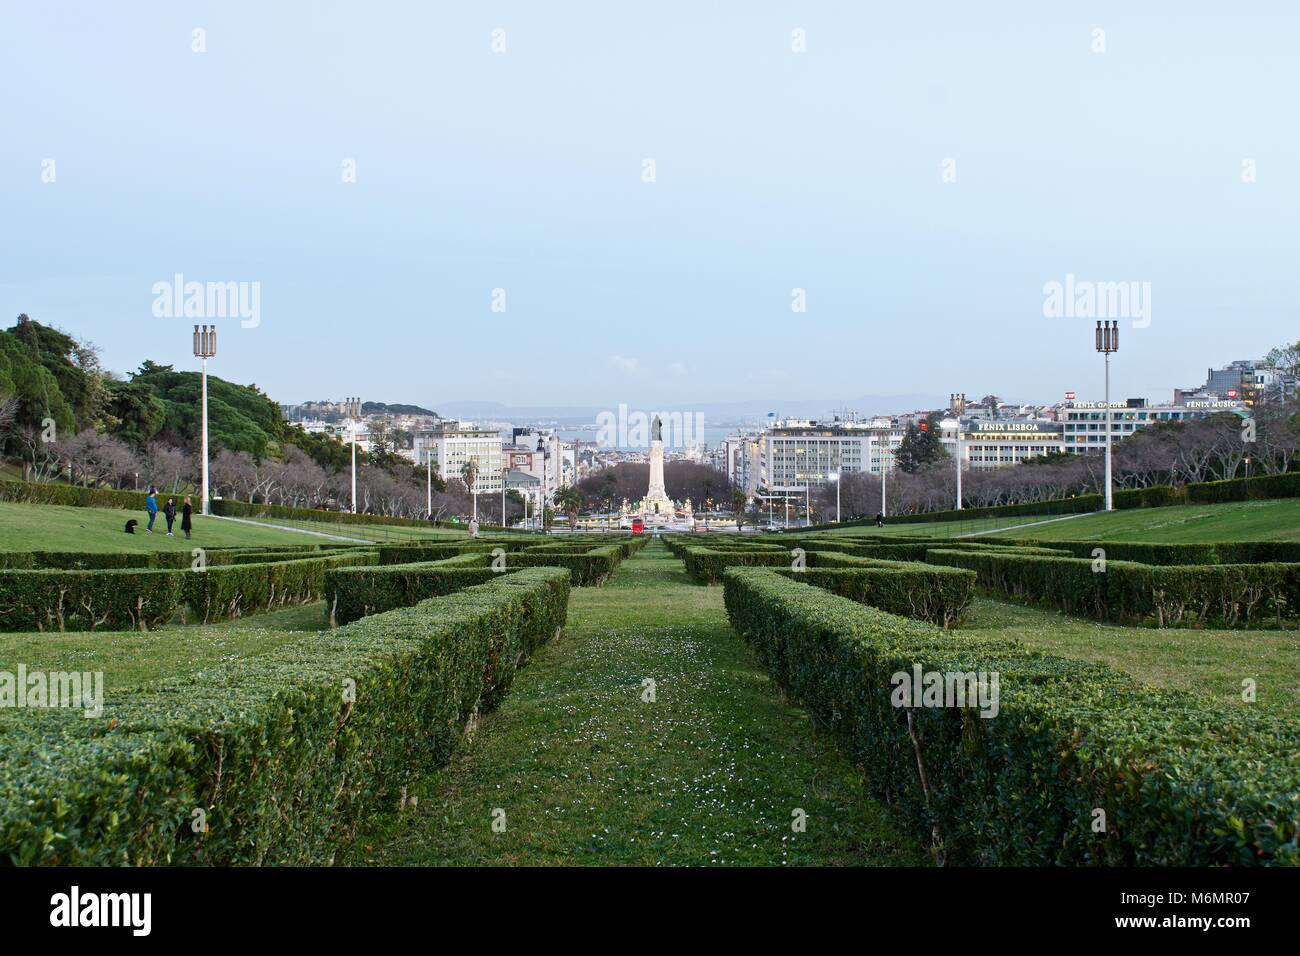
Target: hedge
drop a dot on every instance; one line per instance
(1219, 552)
(909, 590)
(353, 593)
(588, 569)
(141, 599)
(1156, 496)
(57, 493)
(1182, 782)
(1231, 595)
(285, 754)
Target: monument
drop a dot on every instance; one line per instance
(657, 507)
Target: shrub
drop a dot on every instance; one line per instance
(140, 599)
(284, 753)
(909, 590)
(1234, 595)
(353, 593)
(1181, 781)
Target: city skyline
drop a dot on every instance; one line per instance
(918, 219)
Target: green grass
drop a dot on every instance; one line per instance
(587, 773)
(1209, 662)
(1237, 521)
(131, 658)
(380, 533)
(25, 527)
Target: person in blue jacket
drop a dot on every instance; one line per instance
(151, 506)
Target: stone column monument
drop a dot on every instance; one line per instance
(657, 503)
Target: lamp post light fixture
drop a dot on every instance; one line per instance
(1108, 342)
(205, 347)
(354, 413)
(428, 479)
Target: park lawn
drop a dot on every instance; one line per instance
(26, 527)
(1209, 662)
(378, 533)
(1277, 520)
(588, 773)
(131, 658)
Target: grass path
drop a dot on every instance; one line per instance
(586, 772)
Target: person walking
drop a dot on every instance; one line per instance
(880, 519)
(169, 512)
(186, 511)
(151, 506)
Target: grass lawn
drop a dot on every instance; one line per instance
(25, 527)
(588, 773)
(1207, 662)
(1237, 521)
(130, 658)
(380, 533)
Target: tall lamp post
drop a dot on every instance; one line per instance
(428, 479)
(835, 477)
(205, 347)
(1107, 342)
(354, 412)
(959, 464)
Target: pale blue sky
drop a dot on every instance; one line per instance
(775, 170)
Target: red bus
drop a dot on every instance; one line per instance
(638, 526)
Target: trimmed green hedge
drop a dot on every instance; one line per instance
(285, 753)
(909, 590)
(57, 493)
(141, 599)
(1221, 552)
(1231, 595)
(1181, 782)
(353, 593)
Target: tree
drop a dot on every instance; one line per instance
(137, 413)
(570, 501)
(921, 447)
(469, 474)
(738, 502)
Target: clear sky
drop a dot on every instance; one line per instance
(522, 170)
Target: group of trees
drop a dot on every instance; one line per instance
(703, 484)
(1165, 453)
(63, 417)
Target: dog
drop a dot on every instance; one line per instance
(130, 526)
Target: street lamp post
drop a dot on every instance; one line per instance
(205, 347)
(835, 477)
(1107, 342)
(354, 410)
(959, 465)
(428, 480)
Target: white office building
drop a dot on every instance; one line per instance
(797, 454)
(453, 443)
(1084, 423)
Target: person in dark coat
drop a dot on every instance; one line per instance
(186, 511)
(880, 519)
(169, 512)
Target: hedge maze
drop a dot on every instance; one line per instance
(279, 756)
(1170, 779)
(1174, 779)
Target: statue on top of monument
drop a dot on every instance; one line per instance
(656, 430)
